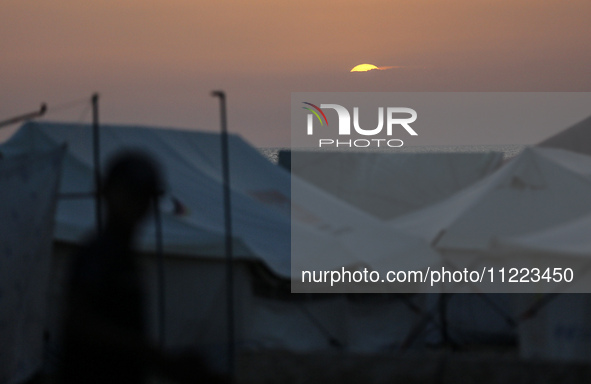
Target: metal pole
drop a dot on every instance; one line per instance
(538, 305)
(97, 164)
(443, 306)
(228, 229)
(160, 261)
(26, 116)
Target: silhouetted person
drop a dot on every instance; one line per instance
(104, 339)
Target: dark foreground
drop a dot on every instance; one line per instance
(440, 367)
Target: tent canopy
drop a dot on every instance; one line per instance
(192, 208)
(560, 248)
(388, 185)
(28, 189)
(575, 138)
(540, 188)
(566, 239)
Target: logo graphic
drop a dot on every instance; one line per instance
(314, 112)
(395, 116)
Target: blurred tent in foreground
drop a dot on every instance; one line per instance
(267, 314)
(28, 196)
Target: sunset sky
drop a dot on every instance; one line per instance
(155, 62)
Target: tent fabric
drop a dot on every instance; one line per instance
(538, 189)
(566, 245)
(270, 207)
(191, 162)
(195, 297)
(559, 330)
(566, 239)
(28, 189)
(575, 138)
(388, 185)
(363, 241)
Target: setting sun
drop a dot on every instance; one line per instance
(363, 68)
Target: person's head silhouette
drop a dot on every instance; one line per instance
(132, 181)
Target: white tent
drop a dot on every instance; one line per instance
(191, 163)
(538, 189)
(575, 138)
(262, 227)
(28, 189)
(261, 196)
(570, 239)
(388, 185)
(560, 326)
(565, 245)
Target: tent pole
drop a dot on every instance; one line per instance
(442, 305)
(160, 261)
(538, 305)
(26, 116)
(332, 341)
(97, 164)
(228, 229)
(508, 319)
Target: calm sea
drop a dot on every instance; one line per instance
(508, 150)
